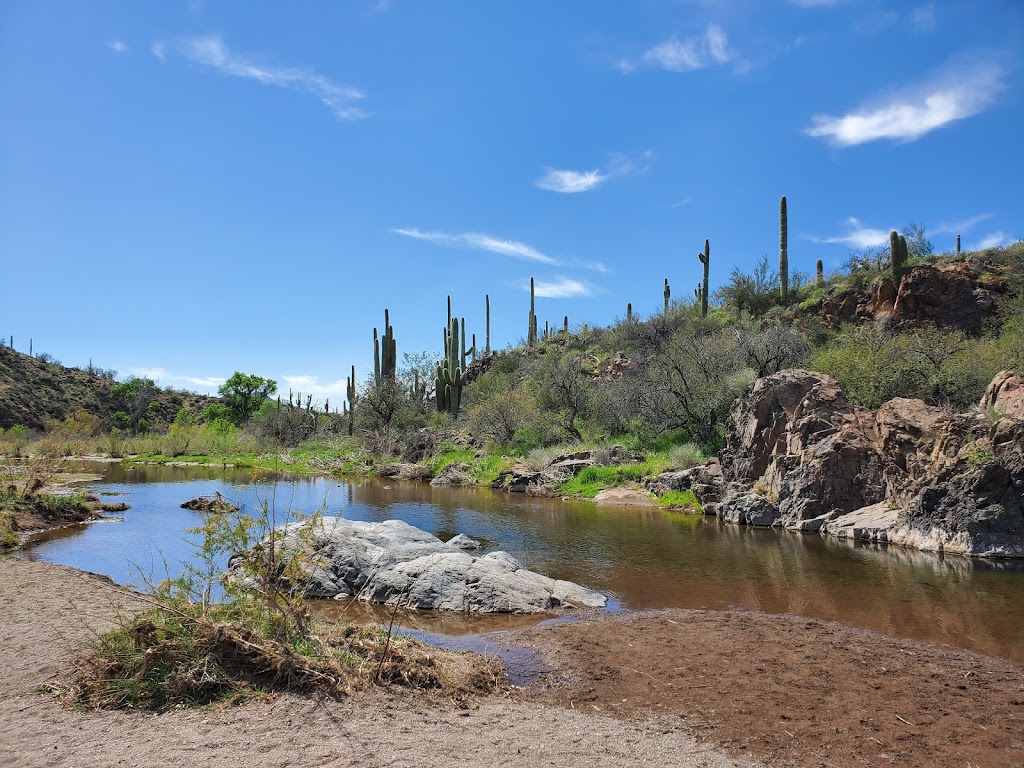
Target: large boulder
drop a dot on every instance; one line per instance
(798, 454)
(949, 297)
(394, 563)
(800, 444)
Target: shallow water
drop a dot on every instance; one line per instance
(642, 558)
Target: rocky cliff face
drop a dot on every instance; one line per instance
(799, 455)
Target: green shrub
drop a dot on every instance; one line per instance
(681, 500)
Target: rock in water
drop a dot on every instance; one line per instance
(393, 562)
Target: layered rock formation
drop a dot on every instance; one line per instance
(394, 563)
(799, 455)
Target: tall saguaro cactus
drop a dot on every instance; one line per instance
(783, 249)
(897, 246)
(350, 391)
(820, 270)
(450, 376)
(705, 259)
(487, 342)
(667, 293)
(385, 352)
(531, 333)
(958, 245)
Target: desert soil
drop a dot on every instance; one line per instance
(684, 688)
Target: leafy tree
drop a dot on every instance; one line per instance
(755, 293)
(137, 398)
(917, 244)
(243, 395)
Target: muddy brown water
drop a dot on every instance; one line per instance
(641, 558)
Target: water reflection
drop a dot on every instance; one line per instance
(643, 558)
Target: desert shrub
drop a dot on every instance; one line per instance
(686, 456)
(753, 293)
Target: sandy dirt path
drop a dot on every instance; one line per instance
(664, 688)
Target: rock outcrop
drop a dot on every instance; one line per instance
(798, 454)
(394, 563)
(215, 503)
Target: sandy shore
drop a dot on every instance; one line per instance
(682, 688)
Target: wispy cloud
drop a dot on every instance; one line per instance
(479, 242)
(994, 240)
(117, 46)
(162, 377)
(909, 115)
(210, 51)
(311, 385)
(684, 55)
(963, 225)
(856, 236)
(814, 3)
(560, 288)
(555, 180)
(571, 182)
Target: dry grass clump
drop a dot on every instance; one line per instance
(160, 660)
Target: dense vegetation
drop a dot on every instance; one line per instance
(662, 385)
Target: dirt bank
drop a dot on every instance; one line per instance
(646, 690)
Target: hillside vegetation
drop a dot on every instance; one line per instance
(918, 325)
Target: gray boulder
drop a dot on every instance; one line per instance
(393, 562)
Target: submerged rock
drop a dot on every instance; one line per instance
(393, 562)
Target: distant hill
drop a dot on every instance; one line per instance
(34, 390)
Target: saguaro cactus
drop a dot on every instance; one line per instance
(667, 293)
(783, 249)
(531, 333)
(896, 256)
(705, 259)
(958, 245)
(629, 313)
(450, 376)
(820, 270)
(487, 341)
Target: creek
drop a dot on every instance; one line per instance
(643, 558)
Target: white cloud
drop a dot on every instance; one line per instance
(963, 225)
(156, 374)
(561, 288)
(210, 382)
(479, 242)
(117, 46)
(693, 53)
(311, 385)
(160, 51)
(993, 240)
(619, 165)
(570, 181)
(211, 52)
(909, 115)
(857, 236)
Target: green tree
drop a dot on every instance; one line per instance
(244, 393)
(137, 397)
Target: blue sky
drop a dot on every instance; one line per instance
(193, 188)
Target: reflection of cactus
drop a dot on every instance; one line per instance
(450, 377)
(667, 293)
(897, 246)
(531, 333)
(783, 249)
(820, 269)
(705, 259)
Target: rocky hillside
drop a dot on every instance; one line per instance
(33, 391)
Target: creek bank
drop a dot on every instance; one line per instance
(798, 455)
(394, 563)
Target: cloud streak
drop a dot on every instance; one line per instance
(476, 241)
(572, 182)
(994, 240)
(210, 51)
(686, 55)
(560, 288)
(909, 115)
(311, 385)
(161, 376)
(857, 236)
(117, 46)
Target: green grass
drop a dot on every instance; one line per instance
(595, 479)
(484, 470)
(683, 501)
